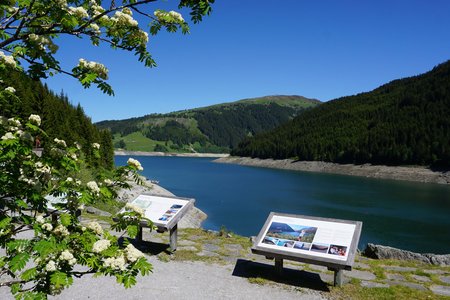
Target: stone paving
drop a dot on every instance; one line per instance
(424, 277)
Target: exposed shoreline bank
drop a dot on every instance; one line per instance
(417, 174)
(144, 153)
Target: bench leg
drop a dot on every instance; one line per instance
(338, 277)
(278, 265)
(139, 235)
(173, 237)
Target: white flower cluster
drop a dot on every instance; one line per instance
(35, 119)
(51, 266)
(135, 208)
(10, 89)
(95, 67)
(93, 187)
(61, 3)
(101, 245)
(171, 16)
(40, 219)
(116, 263)
(47, 226)
(60, 142)
(135, 163)
(41, 168)
(95, 28)
(7, 59)
(124, 19)
(140, 35)
(94, 226)
(42, 42)
(108, 182)
(8, 136)
(132, 253)
(68, 256)
(78, 12)
(96, 145)
(61, 230)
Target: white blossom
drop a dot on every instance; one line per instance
(14, 122)
(123, 19)
(10, 89)
(116, 263)
(35, 119)
(60, 142)
(92, 185)
(40, 219)
(8, 136)
(135, 163)
(7, 59)
(47, 226)
(95, 67)
(66, 255)
(135, 208)
(94, 226)
(101, 245)
(61, 230)
(132, 253)
(79, 12)
(96, 145)
(51, 266)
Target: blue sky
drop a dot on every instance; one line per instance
(318, 49)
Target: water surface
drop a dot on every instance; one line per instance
(407, 215)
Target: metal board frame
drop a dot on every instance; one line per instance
(334, 264)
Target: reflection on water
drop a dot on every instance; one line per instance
(406, 215)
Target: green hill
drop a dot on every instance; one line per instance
(403, 122)
(216, 128)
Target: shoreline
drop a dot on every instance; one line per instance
(145, 153)
(415, 174)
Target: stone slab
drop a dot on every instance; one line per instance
(361, 265)
(362, 275)
(372, 284)
(440, 290)
(445, 279)
(421, 278)
(433, 271)
(411, 285)
(187, 248)
(318, 268)
(399, 269)
(207, 253)
(397, 277)
(210, 247)
(186, 243)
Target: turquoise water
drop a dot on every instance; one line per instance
(412, 216)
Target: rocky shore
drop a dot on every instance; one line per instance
(143, 153)
(418, 174)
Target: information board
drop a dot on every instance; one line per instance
(310, 237)
(162, 210)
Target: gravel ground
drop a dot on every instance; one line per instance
(178, 280)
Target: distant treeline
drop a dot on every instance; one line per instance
(59, 117)
(406, 121)
(215, 128)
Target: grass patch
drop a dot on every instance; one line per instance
(355, 291)
(258, 280)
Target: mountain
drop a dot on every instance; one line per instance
(403, 122)
(216, 128)
(60, 119)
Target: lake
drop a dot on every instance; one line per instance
(407, 215)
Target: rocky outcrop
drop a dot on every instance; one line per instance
(193, 218)
(385, 252)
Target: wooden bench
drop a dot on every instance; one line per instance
(320, 241)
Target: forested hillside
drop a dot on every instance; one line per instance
(403, 122)
(59, 118)
(215, 128)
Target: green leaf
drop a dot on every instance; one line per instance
(44, 247)
(17, 245)
(4, 222)
(29, 274)
(66, 219)
(60, 279)
(132, 230)
(19, 261)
